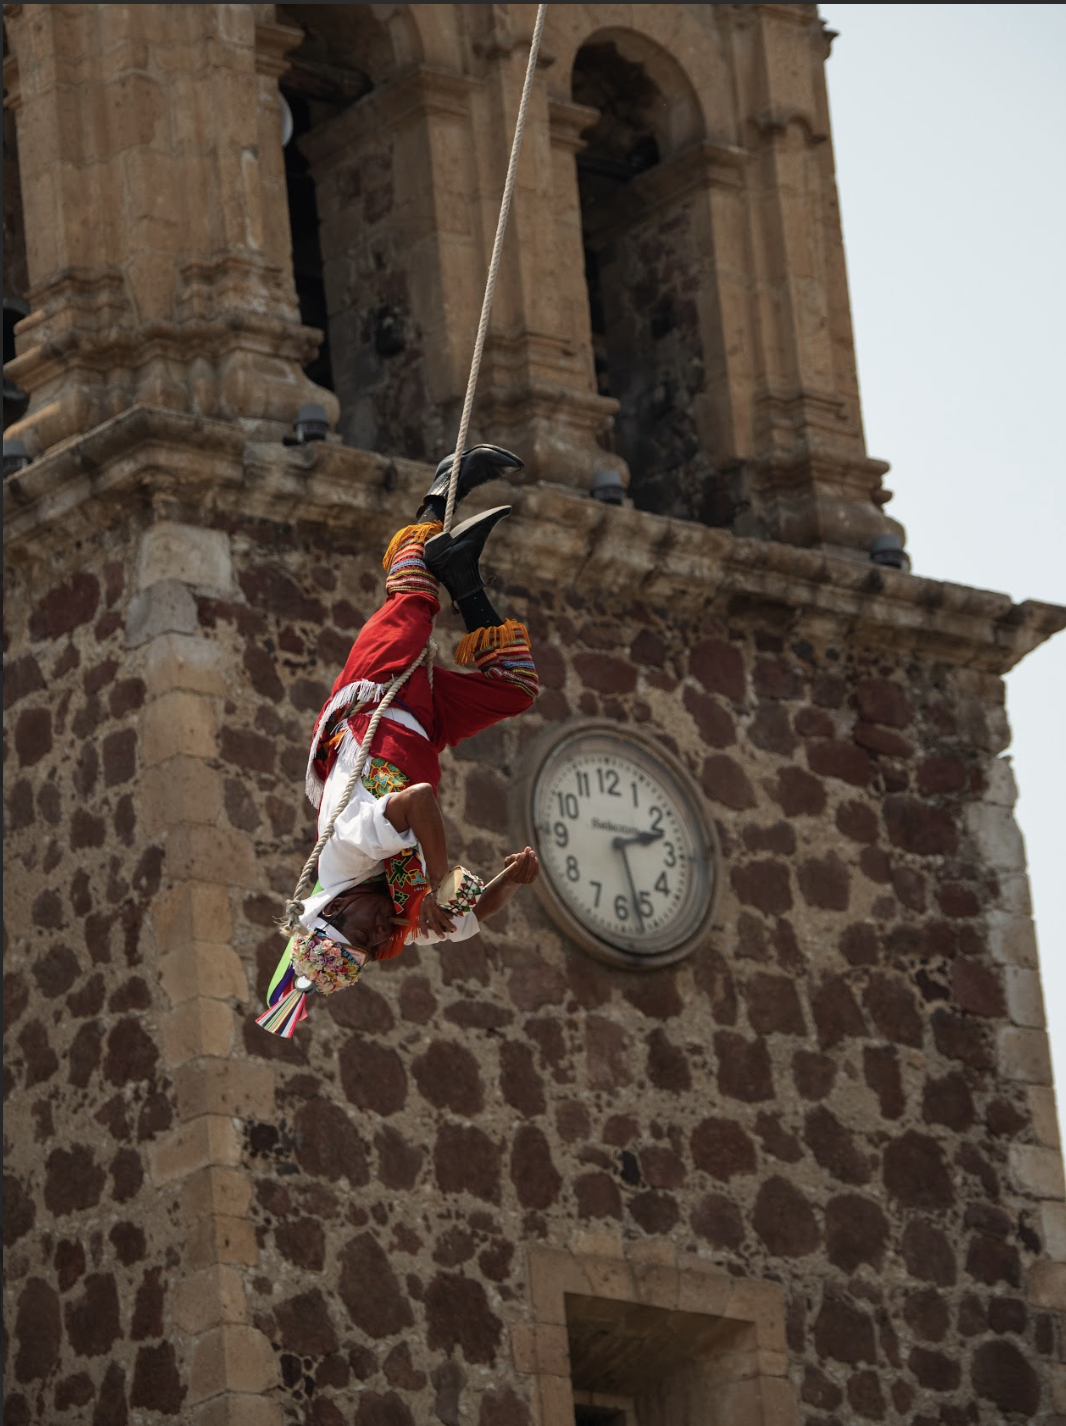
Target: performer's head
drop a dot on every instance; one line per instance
(368, 921)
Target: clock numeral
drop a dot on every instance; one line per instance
(621, 908)
(562, 835)
(636, 799)
(583, 784)
(567, 805)
(671, 855)
(573, 871)
(608, 780)
(644, 903)
(599, 887)
(656, 819)
(662, 885)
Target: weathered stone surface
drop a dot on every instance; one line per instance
(458, 1315)
(37, 1331)
(327, 1143)
(369, 1289)
(928, 1253)
(825, 883)
(372, 1075)
(763, 884)
(799, 793)
(721, 1148)
(724, 781)
(536, 1180)
(744, 1070)
(597, 1196)
(917, 827)
(715, 724)
(1001, 1374)
(813, 1074)
(784, 1220)
(668, 1067)
(467, 1160)
(92, 1321)
(891, 1006)
(305, 1325)
(836, 1015)
(73, 1180)
(948, 1101)
(716, 1219)
(843, 1331)
(608, 1053)
(520, 1083)
(447, 1076)
(915, 1172)
(157, 1383)
(856, 1231)
(830, 757)
(719, 667)
(834, 1147)
(773, 1006)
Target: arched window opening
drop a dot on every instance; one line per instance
(16, 275)
(642, 269)
(321, 81)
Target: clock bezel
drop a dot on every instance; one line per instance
(532, 762)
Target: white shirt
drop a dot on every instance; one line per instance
(362, 840)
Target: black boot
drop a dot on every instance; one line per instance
(453, 559)
(479, 464)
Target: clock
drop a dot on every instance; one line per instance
(629, 859)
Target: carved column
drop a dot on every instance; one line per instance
(157, 240)
(808, 478)
(537, 388)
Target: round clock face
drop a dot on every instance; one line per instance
(628, 860)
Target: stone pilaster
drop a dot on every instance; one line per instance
(231, 1364)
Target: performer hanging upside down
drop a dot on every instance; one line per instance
(380, 872)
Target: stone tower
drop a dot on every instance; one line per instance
(806, 1169)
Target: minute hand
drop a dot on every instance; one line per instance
(620, 844)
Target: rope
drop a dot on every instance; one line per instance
(497, 248)
(294, 907)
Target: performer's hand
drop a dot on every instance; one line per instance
(522, 867)
(432, 918)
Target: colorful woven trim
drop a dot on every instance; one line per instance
(405, 560)
(331, 731)
(501, 651)
(404, 878)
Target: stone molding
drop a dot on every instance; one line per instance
(417, 94)
(204, 466)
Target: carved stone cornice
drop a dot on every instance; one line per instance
(568, 121)
(272, 45)
(700, 166)
(205, 471)
(420, 93)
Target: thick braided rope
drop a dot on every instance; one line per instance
(497, 248)
(294, 907)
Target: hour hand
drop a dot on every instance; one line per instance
(642, 839)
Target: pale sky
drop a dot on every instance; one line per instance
(948, 123)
